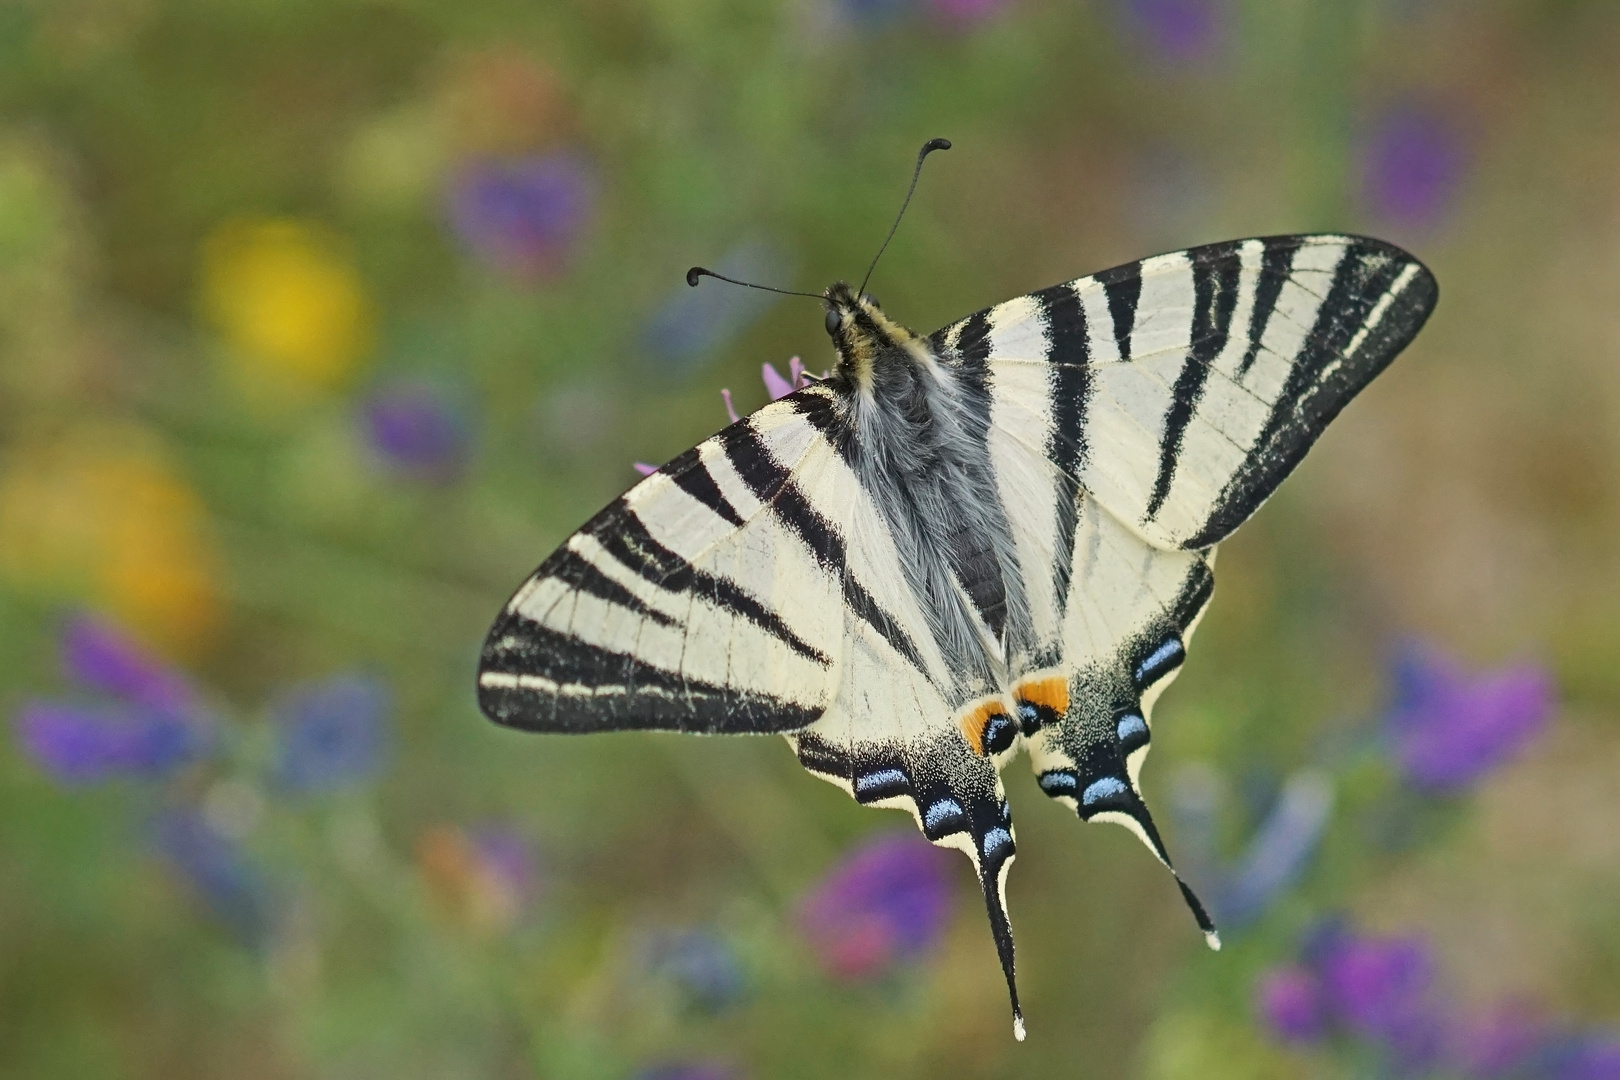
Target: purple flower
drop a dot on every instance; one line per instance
(332, 734)
(507, 861)
(418, 431)
(1178, 31)
(79, 745)
(703, 965)
(99, 655)
(1447, 729)
(775, 385)
(523, 216)
(703, 1070)
(1591, 1056)
(216, 870)
(1280, 850)
(886, 900)
(1289, 1000)
(1379, 988)
(1503, 1044)
(1413, 161)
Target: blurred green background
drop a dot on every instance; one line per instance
(322, 323)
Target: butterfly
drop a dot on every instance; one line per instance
(998, 537)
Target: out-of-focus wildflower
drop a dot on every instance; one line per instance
(1448, 728)
(332, 734)
(523, 217)
(702, 1070)
(1587, 1056)
(703, 965)
(84, 745)
(217, 871)
(1377, 990)
(775, 385)
(103, 518)
(100, 656)
(1380, 989)
(1289, 1000)
(1280, 849)
(1413, 162)
(1506, 1043)
(152, 730)
(694, 324)
(889, 899)
(486, 878)
(418, 431)
(288, 301)
(1177, 31)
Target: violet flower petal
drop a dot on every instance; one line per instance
(886, 900)
(101, 656)
(333, 734)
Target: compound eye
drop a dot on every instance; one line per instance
(872, 300)
(833, 320)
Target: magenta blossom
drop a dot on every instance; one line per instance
(523, 216)
(1414, 159)
(418, 431)
(151, 727)
(775, 385)
(889, 899)
(1289, 1000)
(102, 657)
(1447, 728)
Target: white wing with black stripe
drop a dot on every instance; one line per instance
(1138, 417)
(999, 536)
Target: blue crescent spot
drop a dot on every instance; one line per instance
(1148, 670)
(942, 811)
(1058, 782)
(1130, 726)
(995, 840)
(1106, 788)
(882, 778)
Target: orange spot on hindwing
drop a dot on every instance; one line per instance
(1048, 695)
(987, 727)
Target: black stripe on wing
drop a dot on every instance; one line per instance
(1326, 372)
(625, 537)
(1069, 352)
(1276, 261)
(590, 689)
(1215, 296)
(773, 485)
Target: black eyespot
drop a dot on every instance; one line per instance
(832, 322)
(870, 299)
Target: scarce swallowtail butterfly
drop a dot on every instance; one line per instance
(992, 538)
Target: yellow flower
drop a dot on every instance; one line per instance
(288, 301)
(101, 520)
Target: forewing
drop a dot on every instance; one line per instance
(1138, 417)
(1203, 376)
(701, 600)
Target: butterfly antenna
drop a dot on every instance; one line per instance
(928, 148)
(697, 272)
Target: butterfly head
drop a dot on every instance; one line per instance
(862, 333)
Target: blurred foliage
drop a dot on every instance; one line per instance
(321, 323)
